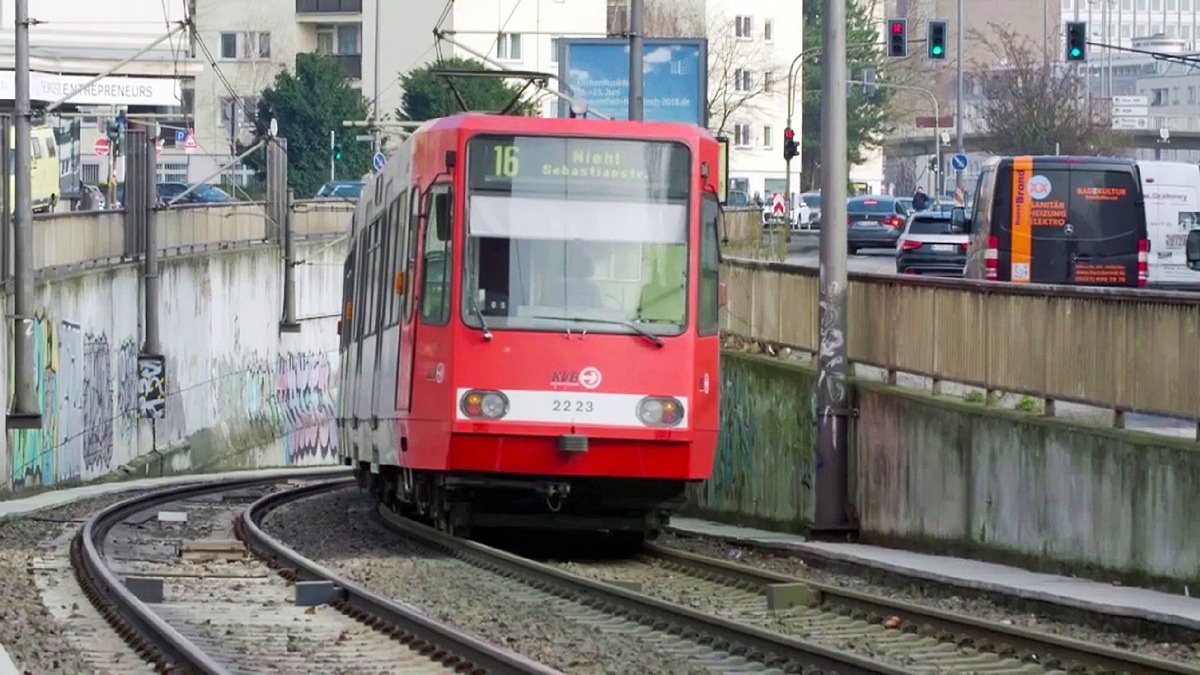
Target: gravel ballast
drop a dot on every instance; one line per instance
(340, 531)
(981, 608)
(34, 639)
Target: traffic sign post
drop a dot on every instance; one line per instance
(189, 141)
(959, 162)
(101, 147)
(379, 161)
(1130, 113)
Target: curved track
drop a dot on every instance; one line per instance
(160, 643)
(836, 604)
(757, 646)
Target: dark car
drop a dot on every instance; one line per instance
(203, 194)
(874, 222)
(342, 189)
(932, 244)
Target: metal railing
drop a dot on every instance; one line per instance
(1121, 349)
(95, 238)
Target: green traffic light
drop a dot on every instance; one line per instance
(1075, 51)
(937, 50)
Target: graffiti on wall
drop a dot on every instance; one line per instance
(292, 396)
(75, 394)
(152, 387)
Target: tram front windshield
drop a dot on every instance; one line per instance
(576, 234)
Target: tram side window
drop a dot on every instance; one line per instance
(382, 279)
(435, 273)
(414, 228)
(398, 236)
(360, 280)
(369, 276)
(347, 299)
(708, 310)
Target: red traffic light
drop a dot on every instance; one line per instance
(789, 133)
(897, 27)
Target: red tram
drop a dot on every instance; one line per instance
(530, 324)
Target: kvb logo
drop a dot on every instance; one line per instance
(588, 378)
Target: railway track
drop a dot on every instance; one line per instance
(850, 616)
(738, 647)
(182, 631)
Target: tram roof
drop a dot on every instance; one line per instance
(484, 122)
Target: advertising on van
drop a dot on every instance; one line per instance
(1172, 194)
(1059, 220)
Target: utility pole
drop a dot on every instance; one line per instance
(25, 413)
(375, 107)
(637, 16)
(831, 460)
(958, 105)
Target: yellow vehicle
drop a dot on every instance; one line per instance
(45, 175)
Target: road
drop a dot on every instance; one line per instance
(803, 250)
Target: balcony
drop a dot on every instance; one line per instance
(325, 8)
(351, 64)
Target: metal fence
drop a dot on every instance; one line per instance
(93, 238)
(1120, 349)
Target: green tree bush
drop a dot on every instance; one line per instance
(307, 105)
(427, 96)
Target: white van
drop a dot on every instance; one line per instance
(1171, 191)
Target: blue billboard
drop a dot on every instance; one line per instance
(675, 80)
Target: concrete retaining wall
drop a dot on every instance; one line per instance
(946, 475)
(239, 394)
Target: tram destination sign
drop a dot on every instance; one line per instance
(541, 164)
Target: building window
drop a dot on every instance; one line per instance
(244, 111)
(768, 30)
(171, 172)
(344, 39)
(742, 27)
(741, 80)
(768, 82)
(741, 135)
(1159, 96)
(508, 46)
(767, 137)
(251, 46)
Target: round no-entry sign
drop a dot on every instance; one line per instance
(100, 147)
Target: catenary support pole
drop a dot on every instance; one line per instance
(637, 17)
(830, 463)
(958, 100)
(279, 209)
(24, 413)
(144, 144)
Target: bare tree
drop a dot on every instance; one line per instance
(1035, 105)
(727, 55)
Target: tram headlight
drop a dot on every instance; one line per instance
(660, 411)
(479, 403)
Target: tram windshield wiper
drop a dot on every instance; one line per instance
(628, 324)
(487, 333)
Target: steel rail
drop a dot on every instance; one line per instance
(440, 642)
(753, 643)
(986, 635)
(152, 637)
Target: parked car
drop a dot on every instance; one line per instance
(203, 194)
(800, 213)
(813, 201)
(340, 189)
(932, 244)
(874, 221)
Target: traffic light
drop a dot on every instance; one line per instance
(790, 147)
(898, 38)
(337, 152)
(113, 131)
(936, 39)
(1077, 41)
